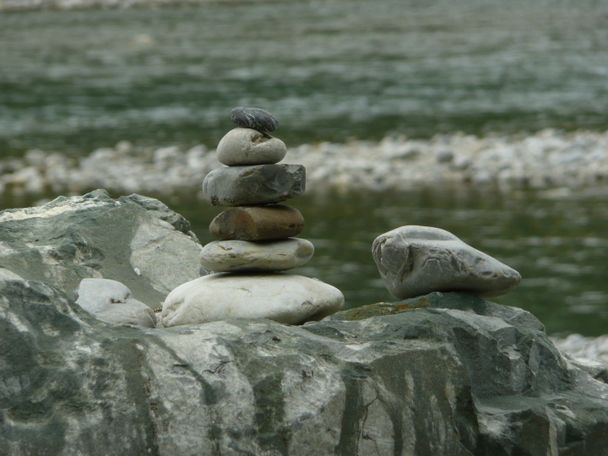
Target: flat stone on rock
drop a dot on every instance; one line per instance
(255, 118)
(231, 256)
(111, 301)
(415, 260)
(253, 185)
(286, 298)
(245, 146)
(257, 223)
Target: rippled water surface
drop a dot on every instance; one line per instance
(560, 246)
(330, 70)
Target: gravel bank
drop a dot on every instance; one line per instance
(546, 160)
(589, 353)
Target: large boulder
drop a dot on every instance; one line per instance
(445, 374)
(133, 239)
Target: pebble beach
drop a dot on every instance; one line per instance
(549, 159)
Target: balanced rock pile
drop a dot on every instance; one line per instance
(256, 237)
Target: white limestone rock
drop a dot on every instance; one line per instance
(235, 255)
(415, 260)
(245, 146)
(110, 301)
(286, 298)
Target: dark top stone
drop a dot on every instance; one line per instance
(255, 118)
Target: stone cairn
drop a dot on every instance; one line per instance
(256, 236)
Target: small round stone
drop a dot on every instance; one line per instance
(255, 118)
(246, 146)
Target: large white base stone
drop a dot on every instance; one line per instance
(286, 298)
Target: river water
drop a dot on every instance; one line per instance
(333, 70)
(329, 69)
(558, 242)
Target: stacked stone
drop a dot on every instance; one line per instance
(256, 233)
(256, 236)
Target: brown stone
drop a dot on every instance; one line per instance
(257, 223)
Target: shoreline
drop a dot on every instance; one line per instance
(547, 160)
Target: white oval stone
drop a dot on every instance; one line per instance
(286, 298)
(111, 301)
(245, 146)
(231, 256)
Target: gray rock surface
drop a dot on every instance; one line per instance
(414, 260)
(5, 274)
(286, 298)
(245, 146)
(231, 256)
(251, 185)
(445, 374)
(261, 223)
(255, 118)
(96, 236)
(111, 301)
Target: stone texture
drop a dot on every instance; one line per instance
(244, 146)
(110, 301)
(257, 223)
(444, 374)
(286, 298)
(251, 185)
(415, 260)
(5, 274)
(231, 256)
(95, 236)
(255, 118)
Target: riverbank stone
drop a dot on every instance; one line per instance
(245, 146)
(255, 118)
(232, 256)
(286, 298)
(415, 260)
(110, 301)
(257, 223)
(253, 185)
(94, 235)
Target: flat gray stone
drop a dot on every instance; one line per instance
(245, 146)
(252, 185)
(231, 256)
(415, 260)
(255, 118)
(110, 301)
(286, 298)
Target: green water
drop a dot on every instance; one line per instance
(559, 246)
(330, 70)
